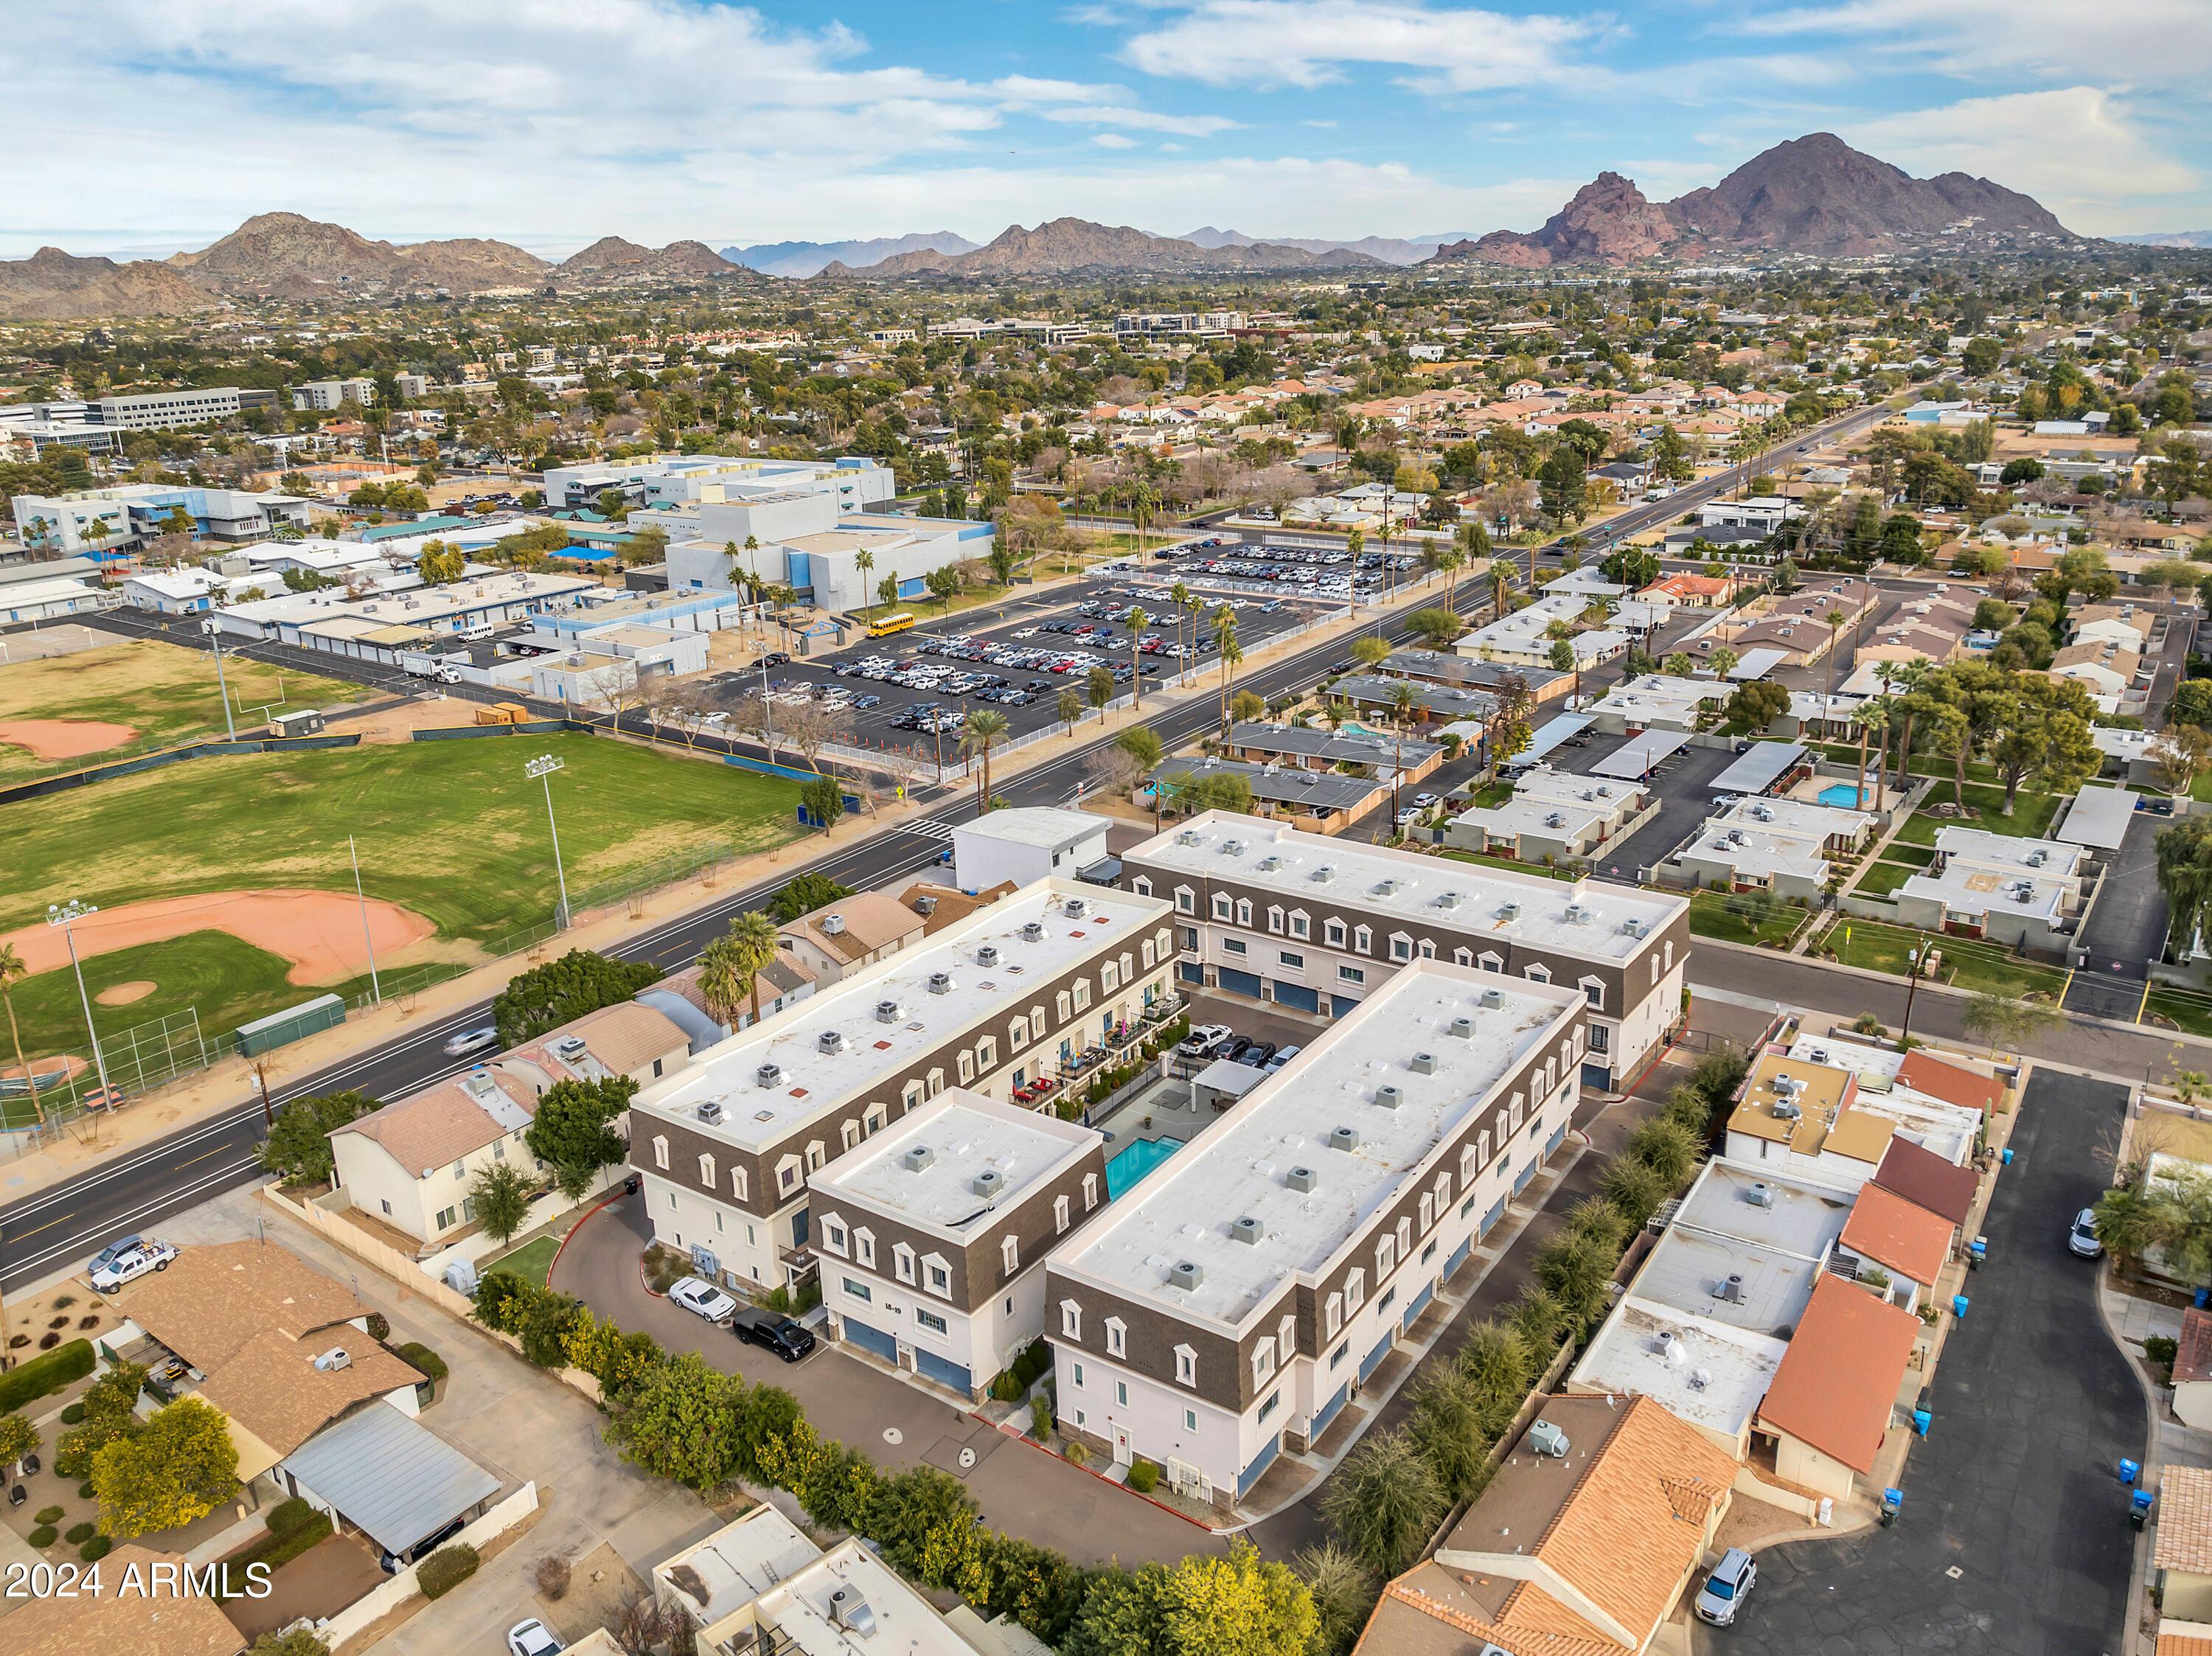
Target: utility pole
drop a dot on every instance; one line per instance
(214, 631)
(1918, 960)
(542, 767)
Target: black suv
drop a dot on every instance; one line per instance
(772, 1329)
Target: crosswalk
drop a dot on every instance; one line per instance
(931, 828)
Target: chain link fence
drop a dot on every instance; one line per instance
(413, 980)
(137, 1060)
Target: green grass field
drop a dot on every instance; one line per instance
(168, 695)
(1709, 917)
(531, 1260)
(1882, 879)
(2030, 819)
(452, 830)
(1966, 963)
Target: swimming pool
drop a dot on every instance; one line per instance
(1844, 795)
(1128, 1169)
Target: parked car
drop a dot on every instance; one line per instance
(2083, 1239)
(772, 1329)
(471, 1040)
(1234, 1047)
(114, 1249)
(1256, 1055)
(132, 1263)
(696, 1294)
(1724, 1590)
(1283, 1055)
(533, 1638)
(1196, 1046)
(392, 1563)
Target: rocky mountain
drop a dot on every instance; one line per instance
(612, 259)
(1070, 247)
(2169, 238)
(801, 259)
(290, 256)
(51, 286)
(1811, 195)
(1391, 250)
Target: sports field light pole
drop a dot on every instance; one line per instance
(214, 631)
(542, 767)
(63, 915)
(375, 989)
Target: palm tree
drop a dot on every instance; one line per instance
(984, 728)
(1500, 576)
(864, 561)
(1180, 595)
(1835, 619)
(2131, 1222)
(1138, 621)
(12, 967)
(753, 937)
(1449, 559)
(1224, 640)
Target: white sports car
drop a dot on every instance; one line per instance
(696, 1294)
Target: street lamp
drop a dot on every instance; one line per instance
(63, 915)
(213, 628)
(542, 767)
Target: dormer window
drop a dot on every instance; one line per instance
(1071, 1320)
(1186, 1365)
(1117, 1337)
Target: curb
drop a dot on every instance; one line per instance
(554, 1264)
(1023, 1437)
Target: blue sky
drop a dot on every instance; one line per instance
(161, 124)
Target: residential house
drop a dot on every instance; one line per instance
(1657, 701)
(2114, 676)
(1324, 802)
(1317, 748)
(1945, 1189)
(848, 936)
(1834, 1394)
(1895, 1247)
(1686, 591)
(2181, 1561)
(159, 1617)
(1518, 639)
(1798, 625)
(2193, 1370)
(934, 1237)
(1552, 815)
(1585, 1551)
(2013, 890)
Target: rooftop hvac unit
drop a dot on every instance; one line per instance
(925, 906)
(1450, 899)
(918, 1158)
(479, 1085)
(333, 1360)
(1761, 1195)
(1302, 1178)
(833, 926)
(1033, 932)
(1233, 848)
(1387, 888)
(1463, 1027)
(850, 1611)
(1246, 1229)
(1577, 914)
(1635, 928)
(889, 1012)
(1548, 1439)
(1557, 819)
(1788, 1109)
(1762, 813)
(711, 1112)
(769, 1075)
(1700, 1379)
(1389, 1097)
(1735, 836)
(1185, 1275)
(1269, 864)
(831, 1041)
(1323, 875)
(1493, 1000)
(1509, 911)
(1188, 837)
(1424, 1064)
(1344, 1139)
(1729, 1292)
(1075, 907)
(941, 983)
(569, 1046)
(987, 954)
(989, 1182)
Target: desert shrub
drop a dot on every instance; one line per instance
(445, 1569)
(2159, 1351)
(78, 1534)
(1143, 1477)
(45, 1535)
(380, 1326)
(1077, 1455)
(59, 1322)
(552, 1574)
(1040, 1416)
(48, 1515)
(424, 1359)
(48, 1342)
(15, 1340)
(95, 1549)
(287, 1516)
(63, 1302)
(91, 1321)
(85, 1492)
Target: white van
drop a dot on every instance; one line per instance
(483, 630)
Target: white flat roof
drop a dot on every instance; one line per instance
(1793, 819)
(738, 1563)
(1034, 825)
(1238, 1166)
(1714, 1376)
(1534, 816)
(1636, 756)
(1756, 852)
(964, 1133)
(1659, 693)
(1965, 888)
(1356, 873)
(810, 1080)
(2099, 816)
(2047, 859)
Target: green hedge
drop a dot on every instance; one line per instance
(287, 1516)
(45, 1374)
(78, 1534)
(45, 1535)
(424, 1359)
(445, 1569)
(1143, 1477)
(74, 1415)
(96, 1549)
(1031, 1363)
(278, 1549)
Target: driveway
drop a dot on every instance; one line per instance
(1020, 1487)
(2126, 928)
(2013, 1540)
(1685, 799)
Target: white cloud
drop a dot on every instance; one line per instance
(1140, 120)
(1113, 141)
(1309, 43)
(2078, 150)
(2142, 42)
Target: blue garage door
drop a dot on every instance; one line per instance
(1381, 1350)
(1329, 1412)
(1261, 1462)
(931, 1367)
(1599, 1076)
(872, 1339)
(1458, 1257)
(1420, 1303)
(1298, 996)
(1240, 983)
(1559, 1137)
(1343, 1005)
(1191, 971)
(1521, 1179)
(1492, 1218)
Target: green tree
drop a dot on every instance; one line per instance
(1670, 458)
(1234, 1606)
(18, 1438)
(1435, 628)
(1069, 707)
(298, 1641)
(1756, 704)
(805, 893)
(1143, 745)
(2009, 1019)
(12, 966)
(1561, 658)
(573, 1132)
(298, 1147)
(174, 1470)
(1371, 651)
(683, 1422)
(824, 800)
(1450, 1428)
(730, 967)
(1245, 706)
(985, 728)
(1563, 485)
(563, 990)
(1665, 1146)
(439, 563)
(1098, 687)
(500, 1196)
(2184, 878)
(1632, 567)
(2193, 703)
(1385, 1501)
(1344, 1592)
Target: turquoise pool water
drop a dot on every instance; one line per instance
(1128, 1169)
(1844, 795)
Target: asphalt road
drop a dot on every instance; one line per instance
(2014, 1537)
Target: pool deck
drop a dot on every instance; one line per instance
(1167, 1101)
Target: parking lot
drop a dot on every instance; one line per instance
(1018, 656)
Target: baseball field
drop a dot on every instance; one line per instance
(224, 883)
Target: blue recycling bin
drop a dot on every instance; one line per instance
(2130, 1472)
(1959, 1304)
(2005, 1156)
(2203, 1295)
(1921, 1420)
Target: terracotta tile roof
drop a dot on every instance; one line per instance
(1921, 1176)
(443, 1124)
(2184, 1644)
(952, 906)
(1859, 1134)
(117, 1624)
(1892, 1232)
(1838, 1379)
(2193, 1361)
(1950, 1083)
(2184, 1521)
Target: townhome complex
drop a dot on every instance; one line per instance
(1319, 925)
(1241, 1293)
(1016, 990)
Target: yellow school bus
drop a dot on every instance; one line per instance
(890, 624)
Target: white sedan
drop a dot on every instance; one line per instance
(694, 1293)
(532, 1638)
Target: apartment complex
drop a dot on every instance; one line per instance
(1319, 924)
(1243, 1292)
(117, 517)
(730, 1148)
(934, 1237)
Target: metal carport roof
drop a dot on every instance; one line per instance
(1634, 759)
(1755, 771)
(389, 1475)
(1756, 664)
(2099, 818)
